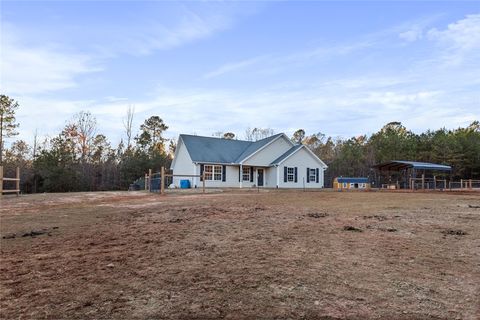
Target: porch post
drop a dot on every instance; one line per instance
(278, 178)
(194, 173)
(241, 175)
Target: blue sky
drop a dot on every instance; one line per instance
(340, 68)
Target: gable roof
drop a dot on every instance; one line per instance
(288, 153)
(218, 150)
(293, 150)
(257, 145)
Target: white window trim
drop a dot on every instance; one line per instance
(244, 169)
(291, 175)
(314, 179)
(212, 172)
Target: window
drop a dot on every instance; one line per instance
(290, 174)
(213, 172)
(312, 175)
(246, 173)
(217, 173)
(208, 171)
(345, 185)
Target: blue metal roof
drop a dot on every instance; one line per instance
(398, 165)
(351, 180)
(218, 150)
(286, 154)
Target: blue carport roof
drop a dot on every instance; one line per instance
(398, 165)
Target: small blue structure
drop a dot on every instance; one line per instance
(341, 183)
(184, 184)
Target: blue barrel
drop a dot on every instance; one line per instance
(184, 184)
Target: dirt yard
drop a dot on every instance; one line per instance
(241, 255)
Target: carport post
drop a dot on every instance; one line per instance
(162, 180)
(203, 181)
(423, 181)
(17, 183)
(434, 182)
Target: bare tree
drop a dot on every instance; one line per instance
(8, 123)
(86, 126)
(217, 134)
(35, 145)
(256, 134)
(127, 124)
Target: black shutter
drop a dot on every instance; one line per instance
(224, 173)
(296, 174)
(308, 175)
(251, 174)
(201, 172)
(317, 173)
(239, 174)
(284, 174)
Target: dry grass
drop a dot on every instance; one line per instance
(241, 255)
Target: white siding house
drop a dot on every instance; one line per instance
(273, 162)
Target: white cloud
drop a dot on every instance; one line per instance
(29, 70)
(459, 39)
(155, 36)
(229, 67)
(270, 63)
(414, 34)
(463, 34)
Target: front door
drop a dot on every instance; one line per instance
(260, 177)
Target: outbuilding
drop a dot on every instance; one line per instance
(345, 183)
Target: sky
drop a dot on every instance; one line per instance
(340, 68)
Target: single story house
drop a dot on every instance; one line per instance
(342, 183)
(273, 162)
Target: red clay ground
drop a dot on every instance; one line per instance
(241, 255)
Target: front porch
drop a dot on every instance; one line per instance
(254, 176)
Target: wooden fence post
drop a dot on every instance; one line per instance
(1, 181)
(150, 180)
(17, 183)
(162, 180)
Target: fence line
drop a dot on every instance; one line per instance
(149, 177)
(16, 180)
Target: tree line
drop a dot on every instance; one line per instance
(80, 158)
(354, 157)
